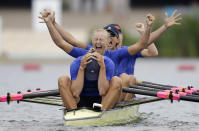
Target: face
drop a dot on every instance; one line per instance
(120, 41)
(100, 42)
(112, 44)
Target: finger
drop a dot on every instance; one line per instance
(88, 62)
(88, 55)
(42, 22)
(177, 23)
(166, 14)
(95, 58)
(138, 25)
(178, 15)
(41, 13)
(41, 17)
(174, 12)
(178, 19)
(54, 13)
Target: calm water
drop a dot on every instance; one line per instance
(162, 115)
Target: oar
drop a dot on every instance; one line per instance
(162, 94)
(165, 87)
(20, 96)
(177, 91)
(151, 83)
(171, 86)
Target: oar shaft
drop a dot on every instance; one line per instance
(138, 91)
(151, 83)
(42, 94)
(154, 86)
(161, 94)
(165, 87)
(191, 91)
(186, 93)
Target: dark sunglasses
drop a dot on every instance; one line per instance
(112, 34)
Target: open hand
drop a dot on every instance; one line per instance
(140, 28)
(172, 20)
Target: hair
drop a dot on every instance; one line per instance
(102, 31)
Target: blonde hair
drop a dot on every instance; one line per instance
(101, 31)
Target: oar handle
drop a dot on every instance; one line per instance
(17, 97)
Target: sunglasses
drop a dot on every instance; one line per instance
(112, 34)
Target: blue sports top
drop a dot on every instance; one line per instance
(116, 56)
(90, 88)
(127, 64)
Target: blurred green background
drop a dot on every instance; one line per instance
(177, 41)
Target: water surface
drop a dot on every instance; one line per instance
(162, 115)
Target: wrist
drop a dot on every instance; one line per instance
(166, 26)
(81, 68)
(102, 66)
(54, 22)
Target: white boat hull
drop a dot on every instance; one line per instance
(88, 117)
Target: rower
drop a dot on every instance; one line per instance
(100, 40)
(92, 81)
(126, 73)
(126, 66)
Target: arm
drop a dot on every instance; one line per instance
(142, 43)
(65, 34)
(103, 83)
(69, 38)
(56, 37)
(168, 23)
(77, 84)
(151, 49)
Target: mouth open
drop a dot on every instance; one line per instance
(98, 48)
(110, 44)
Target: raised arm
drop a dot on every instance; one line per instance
(142, 43)
(169, 21)
(151, 50)
(56, 37)
(68, 37)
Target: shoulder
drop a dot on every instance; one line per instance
(108, 61)
(124, 46)
(88, 47)
(76, 52)
(76, 61)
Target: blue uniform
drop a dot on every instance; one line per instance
(127, 64)
(91, 87)
(116, 56)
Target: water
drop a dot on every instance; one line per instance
(162, 115)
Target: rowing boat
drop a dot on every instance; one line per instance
(123, 113)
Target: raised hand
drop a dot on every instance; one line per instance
(172, 20)
(150, 19)
(140, 28)
(46, 16)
